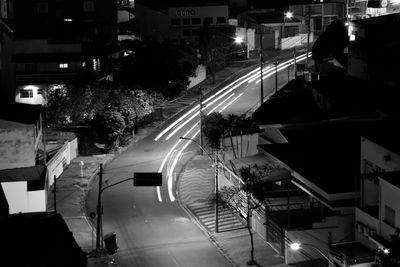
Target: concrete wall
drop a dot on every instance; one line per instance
(389, 196)
(379, 156)
(64, 155)
(37, 200)
(17, 147)
(17, 197)
(200, 76)
(244, 146)
(368, 221)
(42, 47)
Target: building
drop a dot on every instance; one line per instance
(56, 42)
(177, 20)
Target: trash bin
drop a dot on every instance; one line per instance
(110, 242)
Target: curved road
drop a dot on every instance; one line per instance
(151, 227)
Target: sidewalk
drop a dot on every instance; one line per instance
(196, 185)
(71, 188)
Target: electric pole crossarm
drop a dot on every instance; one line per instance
(111, 185)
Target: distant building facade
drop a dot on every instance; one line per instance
(178, 21)
(55, 42)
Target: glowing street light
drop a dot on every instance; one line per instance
(289, 15)
(238, 39)
(297, 246)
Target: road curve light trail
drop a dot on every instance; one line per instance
(175, 122)
(217, 106)
(204, 102)
(171, 195)
(233, 100)
(166, 158)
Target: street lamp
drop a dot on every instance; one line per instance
(276, 75)
(288, 15)
(297, 246)
(216, 161)
(239, 40)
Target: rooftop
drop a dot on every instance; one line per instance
(35, 176)
(22, 113)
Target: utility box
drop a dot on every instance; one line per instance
(110, 242)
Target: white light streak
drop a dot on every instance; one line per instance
(233, 100)
(217, 106)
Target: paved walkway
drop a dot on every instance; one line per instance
(71, 190)
(196, 185)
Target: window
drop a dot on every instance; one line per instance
(196, 20)
(30, 68)
(26, 93)
(390, 215)
(186, 21)
(88, 6)
(63, 66)
(175, 22)
(40, 91)
(186, 33)
(208, 21)
(196, 32)
(42, 8)
(221, 20)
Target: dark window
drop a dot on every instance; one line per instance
(175, 22)
(40, 91)
(221, 20)
(42, 8)
(196, 32)
(186, 21)
(390, 215)
(174, 40)
(88, 6)
(26, 93)
(208, 21)
(196, 20)
(30, 68)
(186, 32)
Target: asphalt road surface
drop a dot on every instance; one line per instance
(151, 227)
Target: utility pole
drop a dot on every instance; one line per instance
(295, 68)
(201, 120)
(308, 33)
(216, 191)
(276, 76)
(261, 67)
(99, 214)
(55, 194)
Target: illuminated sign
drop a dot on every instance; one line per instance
(185, 12)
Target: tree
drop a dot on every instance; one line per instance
(213, 128)
(250, 196)
(156, 67)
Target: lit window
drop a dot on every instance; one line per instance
(83, 64)
(68, 20)
(26, 93)
(42, 8)
(88, 6)
(63, 66)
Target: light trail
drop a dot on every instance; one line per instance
(233, 100)
(177, 157)
(166, 158)
(217, 106)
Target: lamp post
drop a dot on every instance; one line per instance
(297, 246)
(216, 162)
(276, 76)
(239, 40)
(288, 15)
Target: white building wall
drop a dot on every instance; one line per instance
(36, 99)
(379, 156)
(36, 201)
(17, 197)
(200, 75)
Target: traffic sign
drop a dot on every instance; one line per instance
(147, 179)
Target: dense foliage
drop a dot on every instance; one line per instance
(161, 68)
